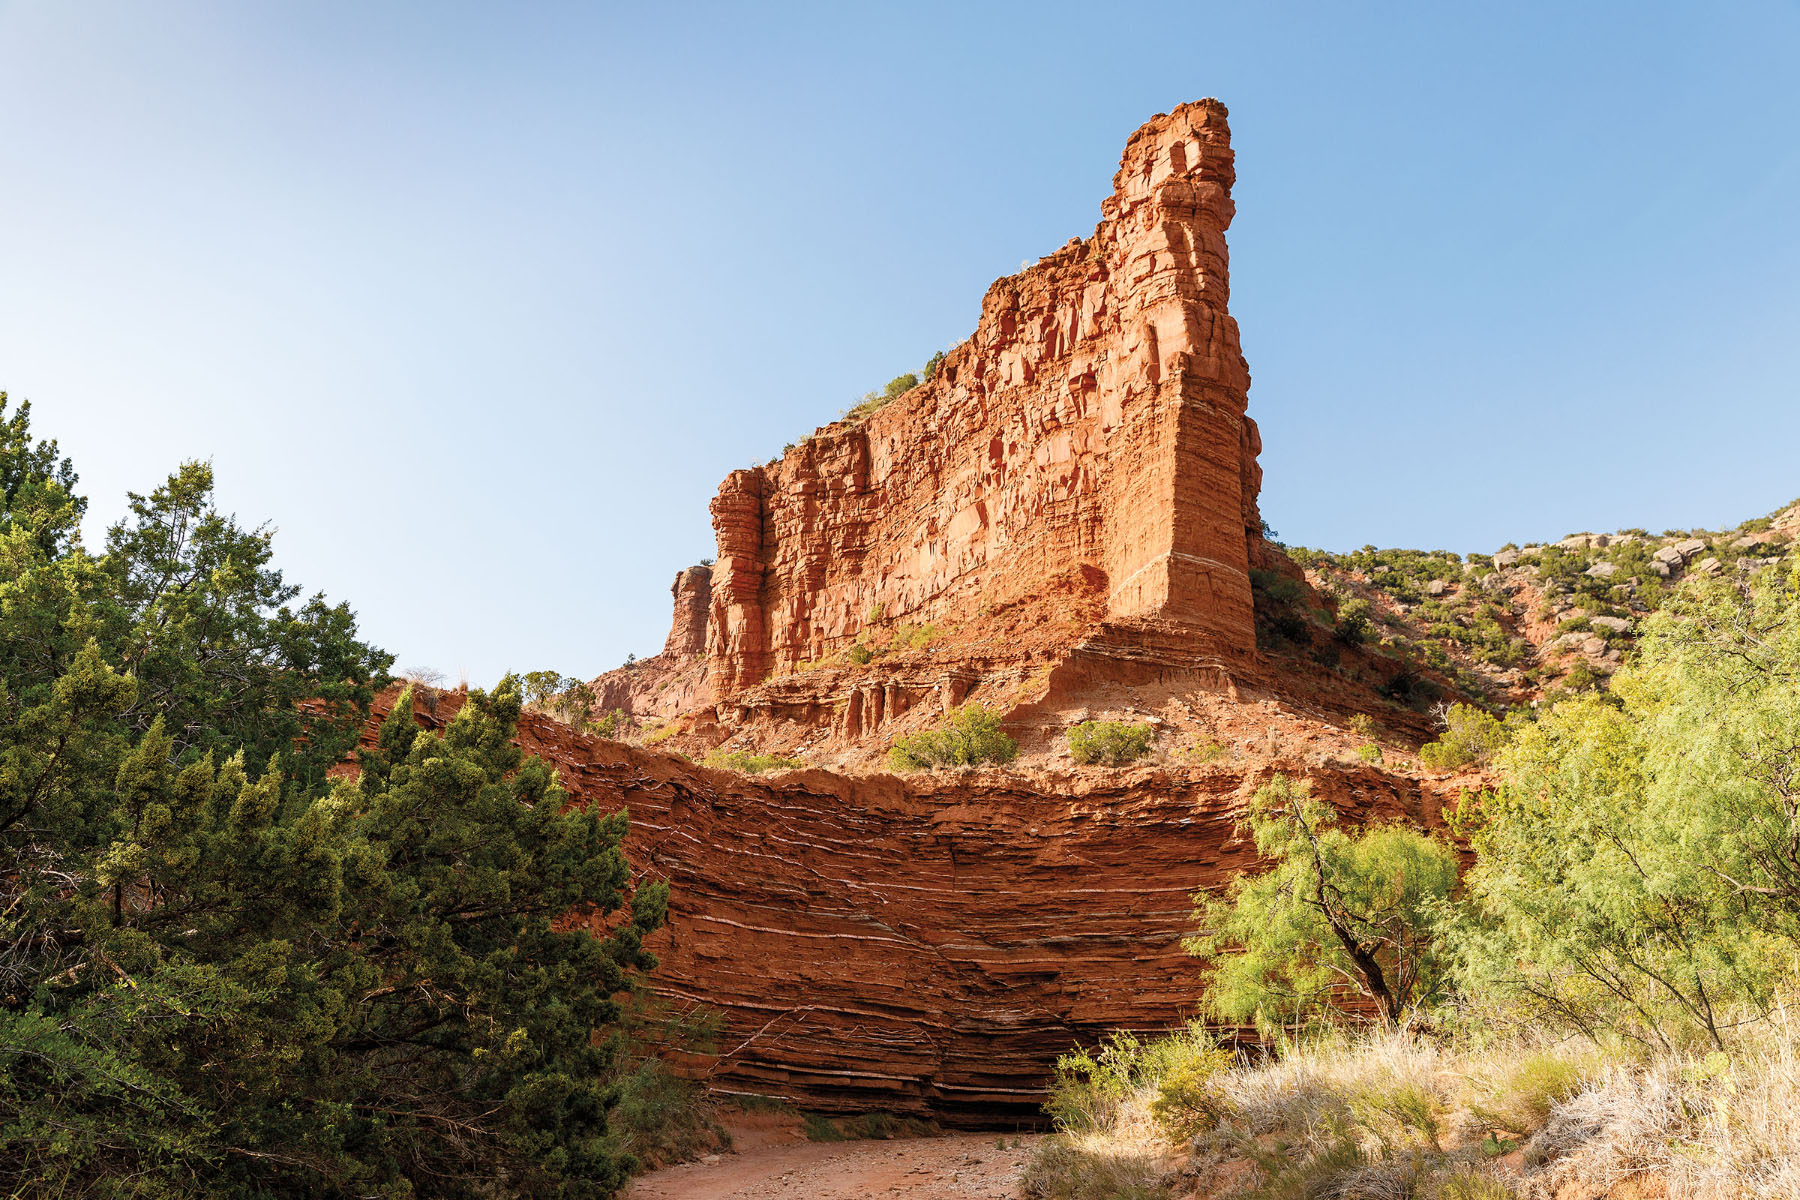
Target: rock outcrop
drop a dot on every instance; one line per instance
(1084, 458)
(927, 946)
(675, 680)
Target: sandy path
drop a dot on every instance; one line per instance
(965, 1167)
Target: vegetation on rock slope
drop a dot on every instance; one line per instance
(1607, 988)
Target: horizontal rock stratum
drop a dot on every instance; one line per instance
(925, 945)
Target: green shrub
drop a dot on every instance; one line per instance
(746, 763)
(662, 1118)
(971, 736)
(1206, 751)
(823, 1129)
(908, 636)
(1279, 943)
(1369, 753)
(932, 364)
(1353, 620)
(1363, 726)
(615, 724)
(1518, 1099)
(1189, 1100)
(1281, 588)
(1470, 736)
(1112, 743)
(861, 655)
(899, 385)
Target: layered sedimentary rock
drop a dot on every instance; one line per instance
(676, 679)
(1091, 432)
(928, 945)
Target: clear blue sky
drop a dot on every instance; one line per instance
(477, 303)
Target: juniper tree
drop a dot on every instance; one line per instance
(224, 972)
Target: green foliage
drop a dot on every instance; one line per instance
(1189, 1100)
(1112, 743)
(568, 700)
(1518, 1098)
(1470, 736)
(1206, 751)
(932, 364)
(615, 724)
(1353, 621)
(747, 763)
(970, 736)
(899, 385)
(1638, 871)
(1369, 753)
(223, 972)
(861, 655)
(823, 1129)
(1339, 917)
(1090, 1085)
(908, 636)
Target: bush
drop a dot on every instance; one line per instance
(1112, 743)
(1369, 753)
(1207, 751)
(1353, 621)
(970, 737)
(1189, 1100)
(899, 385)
(662, 1118)
(746, 763)
(1470, 736)
(861, 655)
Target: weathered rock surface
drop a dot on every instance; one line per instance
(1083, 460)
(928, 945)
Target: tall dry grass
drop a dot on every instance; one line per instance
(1394, 1116)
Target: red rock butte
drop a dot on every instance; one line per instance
(1062, 520)
(1070, 497)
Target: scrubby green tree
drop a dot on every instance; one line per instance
(1639, 869)
(224, 971)
(1342, 921)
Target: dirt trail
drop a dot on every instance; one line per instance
(964, 1167)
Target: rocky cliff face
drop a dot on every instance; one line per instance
(928, 945)
(1085, 455)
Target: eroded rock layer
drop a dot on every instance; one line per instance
(929, 945)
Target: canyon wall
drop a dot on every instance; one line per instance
(1092, 432)
(927, 945)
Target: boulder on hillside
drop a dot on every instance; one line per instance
(1689, 548)
(1602, 570)
(1616, 624)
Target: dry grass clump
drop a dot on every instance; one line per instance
(1394, 1116)
(1126, 1157)
(1710, 1127)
